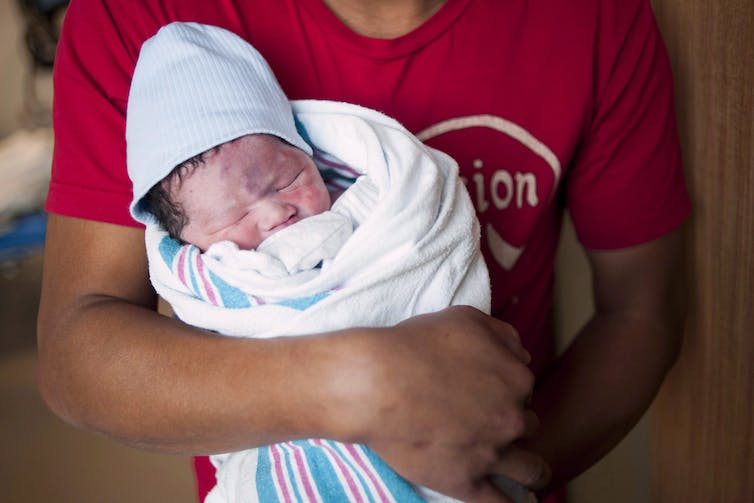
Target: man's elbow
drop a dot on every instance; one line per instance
(51, 392)
(52, 381)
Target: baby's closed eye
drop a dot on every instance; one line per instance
(290, 183)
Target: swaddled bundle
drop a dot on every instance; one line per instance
(401, 241)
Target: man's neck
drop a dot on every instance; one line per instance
(383, 18)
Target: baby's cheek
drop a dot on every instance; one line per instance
(246, 237)
(316, 201)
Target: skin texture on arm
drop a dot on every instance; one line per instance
(437, 396)
(597, 391)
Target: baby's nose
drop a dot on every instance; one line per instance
(276, 213)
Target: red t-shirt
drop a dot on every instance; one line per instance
(545, 104)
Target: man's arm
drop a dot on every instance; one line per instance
(436, 396)
(597, 391)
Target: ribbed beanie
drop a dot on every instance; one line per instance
(194, 87)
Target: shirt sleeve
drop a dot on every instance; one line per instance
(627, 185)
(93, 67)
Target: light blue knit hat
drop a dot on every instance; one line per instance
(194, 87)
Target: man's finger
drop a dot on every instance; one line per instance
(508, 335)
(514, 490)
(531, 424)
(523, 466)
(487, 491)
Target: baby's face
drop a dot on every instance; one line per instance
(249, 189)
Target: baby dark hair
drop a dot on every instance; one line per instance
(160, 204)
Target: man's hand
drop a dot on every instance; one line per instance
(447, 396)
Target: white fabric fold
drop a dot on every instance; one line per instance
(412, 248)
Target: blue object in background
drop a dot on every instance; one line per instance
(25, 235)
(46, 6)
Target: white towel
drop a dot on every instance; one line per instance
(415, 248)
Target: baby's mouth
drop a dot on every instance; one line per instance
(285, 224)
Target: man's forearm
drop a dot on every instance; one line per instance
(597, 391)
(109, 362)
(153, 382)
(157, 384)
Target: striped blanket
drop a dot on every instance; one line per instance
(402, 240)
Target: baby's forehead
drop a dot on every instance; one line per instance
(187, 167)
(248, 153)
(251, 144)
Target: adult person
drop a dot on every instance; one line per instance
(544, 105)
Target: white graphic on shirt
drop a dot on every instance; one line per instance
(505, 253)
(519, 188)
(521, 185)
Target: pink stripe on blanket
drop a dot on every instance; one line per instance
(303, 472)
(358, 457)
(182, 265)
(336, 165)
(208, 287)
(283, 490)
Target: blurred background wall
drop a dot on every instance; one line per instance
(42, 458)
(702, 428)
(11, 64)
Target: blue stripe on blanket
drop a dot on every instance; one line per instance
(307, 471)
(399, 487)
(336, 174)
(302, 131)
(303, 303)
(232, 297)
(169, 249)
(191, 252)
(362, 475)
(287, 456)
(264, 479)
